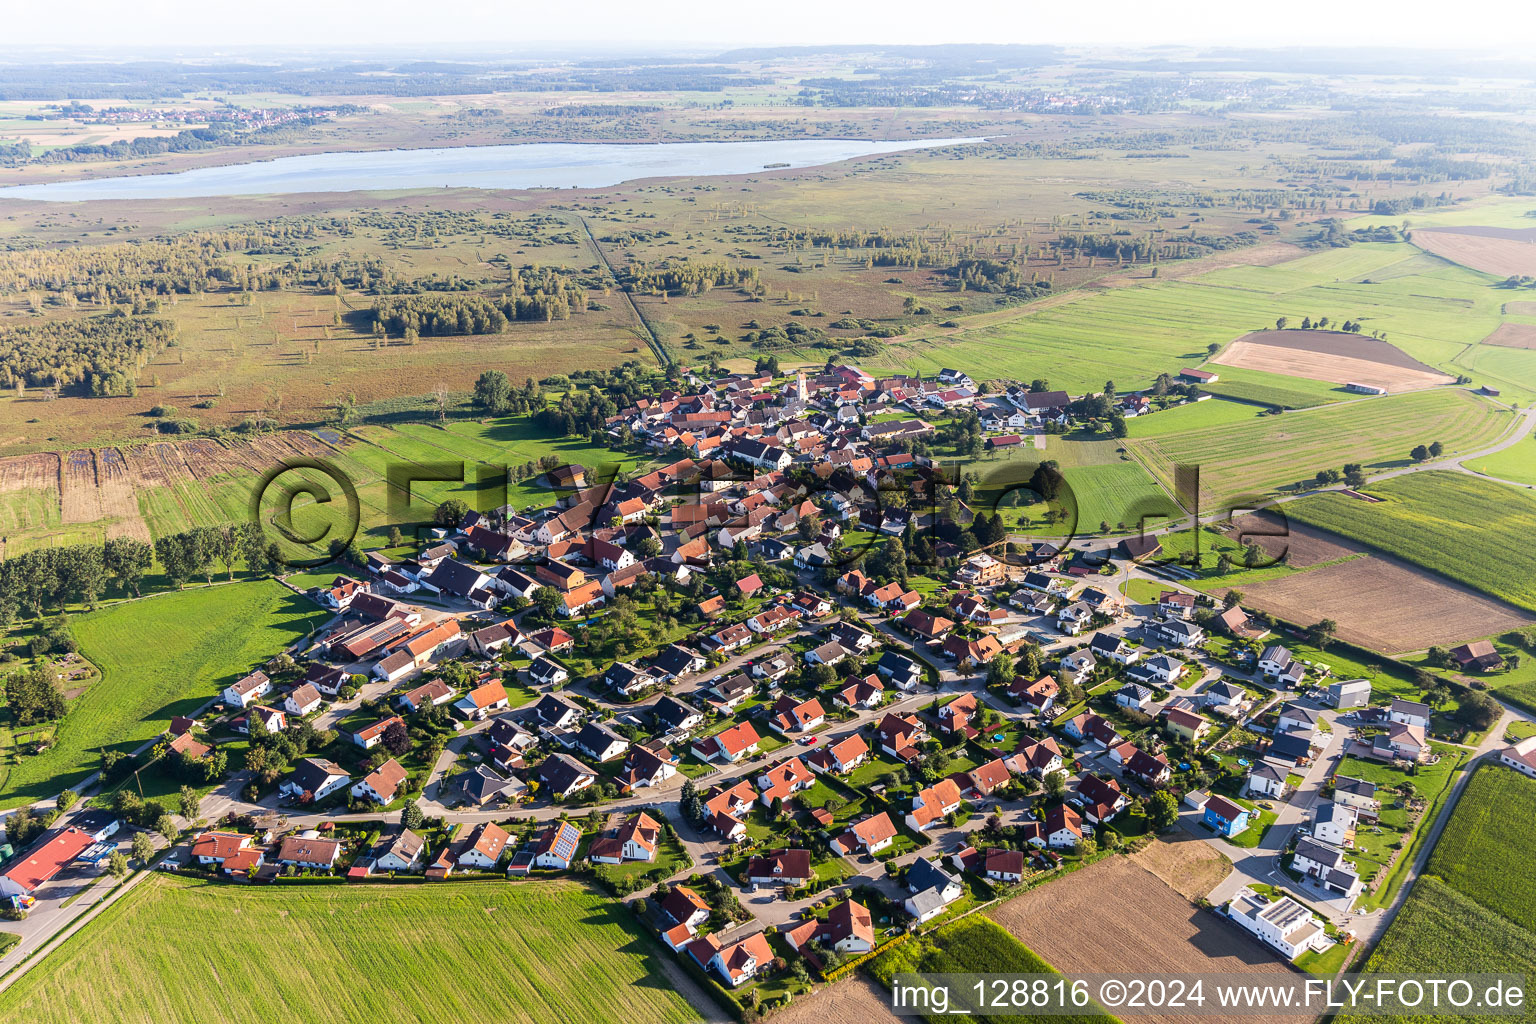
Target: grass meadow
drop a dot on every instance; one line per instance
(159, 657)
(514, 952)
(1471, 530)
(1269, 453)
(1486, 851)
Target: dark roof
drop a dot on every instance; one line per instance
(455, 577)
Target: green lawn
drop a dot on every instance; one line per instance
(1213, 413)
(1517, 462)
(526, 952)
(159, 657)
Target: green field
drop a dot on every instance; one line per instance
(1214, 413)
(1517, 463)
(1486, 851)
(1272, 452)
(177, 951)
(1106, 485)
(972, 945)
(159, 657)
(1461, 526)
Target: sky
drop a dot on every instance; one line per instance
(79, 26)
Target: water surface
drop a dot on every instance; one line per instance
(531, 165)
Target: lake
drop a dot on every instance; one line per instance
(532, 165)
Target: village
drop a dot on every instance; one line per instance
(876, 710)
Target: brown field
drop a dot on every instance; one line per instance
(1513, 336)
(1331, 356)
(1117, 915)
(1520, 308)
(1186, 863)
(1502, 251)
(854, 1000)
(1301, 545)
(1385, 605)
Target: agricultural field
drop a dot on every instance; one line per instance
(1503, 252)
(1463, 527)
(1485, 852)
(1217, 412)
(1269, 454)
(159, 657)
(1516, 464)
(1106, 484)
(1331, 356)
(972, 944)
(529, 952)
(1118, 913)
(1384, 604)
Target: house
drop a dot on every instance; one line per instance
(732, 690)
(1175, 604)
(646, 766)
(1335, 823)
(453, 578)
(738, 962)
(600, 743)
(1226, 698)
(55, 851)
(729, 745)
(555, 713)
(1176, 632)
(482, 785)
(1079, 665)
(636, 840)
(1300, 719)
(1400, 741)
(1113, 648)
(1327, 864)
(979, 570)
(783, 780)
(1101, 798)
(1159, 669)
(433, 641)
(789, 715)
(829, 653)
(482, 700)
(1280, 922)
(1279, 666)
(563, 775)
(985, 779)
(304, 699)
(1004, 865)
(394, 667)
(242, 693)
(685, 907)
(781, 867)
(927, 625)
(217, 847)
(1063, 827)
(1036, 757)
(631, 680)
(863, 693)
(488, 641)
(869, 835)
(1092, 728)
(313, 780)
(674, 661)
(1149, 769)
(1409, 712)
(900, 735)
(1520, 756)
(382, 784)
(1357, 794)
(1071, 619)
(371, 736)
(1134, 696)
(261, 720)
(841, 757)
(902, 671)
(427, 695)
(1477, 656)
(1267, 778)
(848, 928)
(309, 851)
(546, 671)
(1186, 725)
(326, 679)
(931, 889)
(402, 852)
(955, 717)
(675, 716)
(555, 849)
(1227, 818)
(932, 804)
(483, 847)
(1349, 693)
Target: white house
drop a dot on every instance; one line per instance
(1282, 923)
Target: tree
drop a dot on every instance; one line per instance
(493, 392)
(1478, 711)
(67, 799)
(1354, 475)
(411, 816)
(166, 826)
(1163, 810)
(450, 513)
(1232, 599)
(1321, 633)
(1280, 323)
(547, 600)
(117, 864)
(1055, 784)
(143, 848)
(1419, 453)
(1000, 671)
(1436, 449)
(396, 739)
(188, 802)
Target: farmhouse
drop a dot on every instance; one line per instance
(1521, 756)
